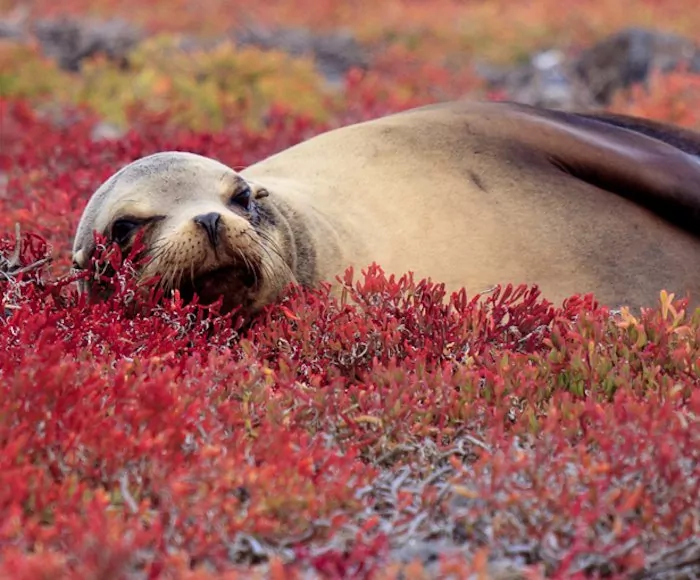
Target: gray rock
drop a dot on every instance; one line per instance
(13, 25)
(590, 79)
(334, 53)
(629, 57)
(70, 41)
(106, 132)
(545, 80)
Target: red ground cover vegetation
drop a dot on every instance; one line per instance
(394, 432)
(386, 434)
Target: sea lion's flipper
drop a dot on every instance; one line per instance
(648, 162)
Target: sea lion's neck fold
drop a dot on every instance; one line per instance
(307, 236)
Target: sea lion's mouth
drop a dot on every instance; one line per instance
(235, 283)
(237, 273)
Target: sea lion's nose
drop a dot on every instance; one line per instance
(210, 223)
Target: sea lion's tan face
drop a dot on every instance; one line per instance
(205, 228)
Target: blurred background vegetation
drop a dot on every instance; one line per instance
(209, 63)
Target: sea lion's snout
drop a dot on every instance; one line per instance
(210, 223)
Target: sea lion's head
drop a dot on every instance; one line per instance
(205, 229)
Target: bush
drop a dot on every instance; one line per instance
(395, 430)
(670, 97)
(25, 73)
(200, 88)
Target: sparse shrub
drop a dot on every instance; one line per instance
(26, 73)
(202, 88)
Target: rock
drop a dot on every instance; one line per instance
(544, 81)
(10, 30)
(69, 41)
(590, 79)
(334, 53)
(629, 57)
(13, 26)
(105, 131)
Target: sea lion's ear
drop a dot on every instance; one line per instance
(259, 192)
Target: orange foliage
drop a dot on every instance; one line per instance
(498, 29)
(670, 97)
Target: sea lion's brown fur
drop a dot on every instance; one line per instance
(469, 194)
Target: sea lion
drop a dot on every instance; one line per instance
(471, 194)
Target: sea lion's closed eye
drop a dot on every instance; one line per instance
(123, 229)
